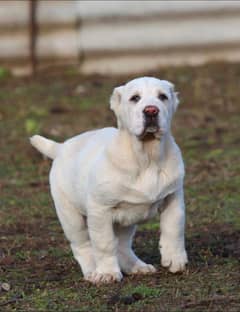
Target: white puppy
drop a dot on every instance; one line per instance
(104, 182)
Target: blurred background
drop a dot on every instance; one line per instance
(78, 52)
(116, 36)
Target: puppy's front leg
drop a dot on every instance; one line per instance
(128, 261)
(172, 244)
(104, 243)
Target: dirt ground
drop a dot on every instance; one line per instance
(35, 259)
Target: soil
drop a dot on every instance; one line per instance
(35, 258)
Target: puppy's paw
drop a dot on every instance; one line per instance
(175, 261)
(103, 278)
(142, 268)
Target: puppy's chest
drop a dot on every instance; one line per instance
(127, 213)
(154, 185)
(144, 197)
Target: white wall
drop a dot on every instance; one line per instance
(131, 33)
(100, 9)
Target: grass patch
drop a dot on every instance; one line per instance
(35, 258)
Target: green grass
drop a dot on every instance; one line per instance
(35, 257)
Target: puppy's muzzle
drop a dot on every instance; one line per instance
(151, 118)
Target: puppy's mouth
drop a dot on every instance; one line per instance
(151, 128)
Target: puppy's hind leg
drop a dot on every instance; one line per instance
(128, 261)
(76, 231)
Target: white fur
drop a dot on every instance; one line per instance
(106, 181)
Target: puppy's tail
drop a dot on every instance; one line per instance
(45, 146)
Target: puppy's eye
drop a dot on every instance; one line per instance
(135, 98)
(162, 97)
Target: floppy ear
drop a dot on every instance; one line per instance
(115, 99)
(175, 99)
(174, 95)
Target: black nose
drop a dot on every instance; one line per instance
(151, 111)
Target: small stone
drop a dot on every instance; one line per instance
(137, 296)
(42, 254)
(127, 300)
(114, 299)
(80, 89)
(5, 286)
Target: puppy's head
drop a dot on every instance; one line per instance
(145, 106)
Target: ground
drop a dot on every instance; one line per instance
(35, 258)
